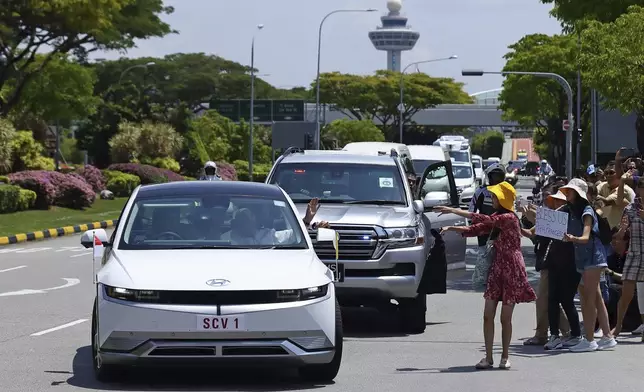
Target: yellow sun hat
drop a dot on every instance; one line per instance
(505, 193)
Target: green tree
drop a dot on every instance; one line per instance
(68, 26)
(61, 92)
(7, 134)
(612, 60)
(343, 131)
(572, 12)
(488, 144)
(376, 97)
(540, 103)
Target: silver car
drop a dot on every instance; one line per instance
(383, 220)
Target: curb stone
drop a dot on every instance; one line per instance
(57, 232)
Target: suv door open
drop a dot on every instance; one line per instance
(438, 188)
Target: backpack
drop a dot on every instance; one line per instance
(605, 233)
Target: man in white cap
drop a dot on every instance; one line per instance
(210, 172)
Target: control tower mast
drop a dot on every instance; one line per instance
(394, 35)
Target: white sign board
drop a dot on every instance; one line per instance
(551, 223)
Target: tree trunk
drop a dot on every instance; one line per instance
(639, 129)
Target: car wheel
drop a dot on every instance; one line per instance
(102, 372)
(412, 314)
(328, 371)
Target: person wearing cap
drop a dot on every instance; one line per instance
(210, 172)
(507, 280)
(563, 280)
(590, 261)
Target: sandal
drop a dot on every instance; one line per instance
(535, 341)
(484, 364)
(505, 364)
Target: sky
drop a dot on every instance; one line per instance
(477, 31)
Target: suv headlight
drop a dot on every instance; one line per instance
(131, 295)
(302, 294)
(401, 237)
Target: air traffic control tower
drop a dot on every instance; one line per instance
(394, 35)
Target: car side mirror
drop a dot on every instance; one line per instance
(435, 199)
(418, 205)
(87, 239)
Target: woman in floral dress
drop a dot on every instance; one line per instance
(507, 280)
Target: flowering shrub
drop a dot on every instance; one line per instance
(93, 177)
(53, 188)
(148, 174)
(227, 171)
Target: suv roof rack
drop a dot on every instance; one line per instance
(293, 150)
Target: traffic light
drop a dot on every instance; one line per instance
(308, 141)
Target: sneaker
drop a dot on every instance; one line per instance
(639, 330)
(584, 346)
(571, 342)
(554, 343)
(577, 300)
(606, 343)
(599, 333)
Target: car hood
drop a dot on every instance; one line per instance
(190, 269)
(385, 216)
(463, 181)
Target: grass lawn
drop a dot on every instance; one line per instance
(34, 220)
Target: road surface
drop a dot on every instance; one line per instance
(46, 299)
(524, 144)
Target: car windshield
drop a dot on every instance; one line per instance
(476, 163)
(421, 164)
(460, 156)
(341, 182)
(209, 222)
(462, 171)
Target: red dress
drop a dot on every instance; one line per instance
(507, 280)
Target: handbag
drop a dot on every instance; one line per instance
(483, 265)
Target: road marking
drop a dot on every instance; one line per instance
(70, 282)
(10, 250)
(81, 254)
(32, 250)
(13, 269)
(69, 248)
(58, 328)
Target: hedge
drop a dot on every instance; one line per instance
(148, 174)
(13, 198)
(54, 188)
(227, 171)
(260, 171)
(121, 184)
(92, 176)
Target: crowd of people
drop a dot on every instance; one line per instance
(599, 261)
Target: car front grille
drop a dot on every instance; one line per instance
(356, 243)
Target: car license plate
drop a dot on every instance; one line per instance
(337, 274)
(220, 323)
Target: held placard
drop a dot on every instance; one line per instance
(551, 223)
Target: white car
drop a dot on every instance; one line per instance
(210, 273)
(477, 161)
(465, 182)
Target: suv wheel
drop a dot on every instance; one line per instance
(327, 372)
(412, 314)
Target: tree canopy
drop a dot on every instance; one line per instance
(572, 12)
(376, 97)
(537, 102)
(68, 27)
(613, 63)
(344, 131)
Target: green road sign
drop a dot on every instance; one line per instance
(288, 110)
(265, 111)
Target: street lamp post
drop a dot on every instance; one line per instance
(251, 120)
(566, 86)
(145, 66)
(401, 106)
(317, 78)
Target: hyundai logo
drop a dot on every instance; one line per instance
(218, 282)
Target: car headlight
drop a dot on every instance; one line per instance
(403, 236)
(302, 294)
(131, 295)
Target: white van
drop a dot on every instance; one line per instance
(423, 156)
(457, 149)
(477, 162)
(384, 148)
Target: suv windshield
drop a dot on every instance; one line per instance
(421, 164)
(217, 221)
(341, 182)
(460, 156)
(462, 171)
(476, 163)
